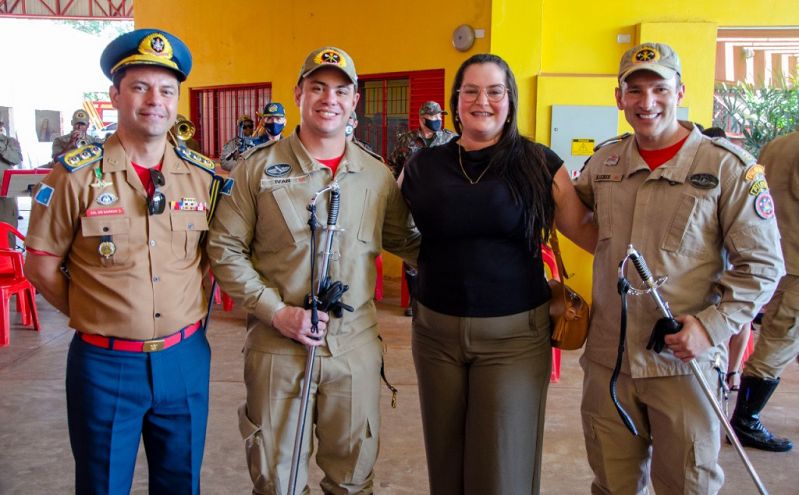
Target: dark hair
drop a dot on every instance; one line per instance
(116, 79)
(713, 132)
(521, 162)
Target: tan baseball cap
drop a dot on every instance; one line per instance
(656, 57)
(329, 56)
(80, 116)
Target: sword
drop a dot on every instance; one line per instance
(673, 326)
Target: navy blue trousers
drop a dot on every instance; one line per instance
(116, 398)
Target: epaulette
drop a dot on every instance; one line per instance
(261, 146)
(196, 159)
(79, 158)
(612, 140)
(368, 150)
(736, 150)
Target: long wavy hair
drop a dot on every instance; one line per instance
(521, 162)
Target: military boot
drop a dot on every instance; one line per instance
(752, 398)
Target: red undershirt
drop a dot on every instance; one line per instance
(656, 158)
(144, 175)
(331, 163)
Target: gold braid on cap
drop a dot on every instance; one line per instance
(154, 49)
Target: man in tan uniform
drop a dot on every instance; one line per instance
(10, 155)
(260, 250)
(687, 203)
(76, 138)
(778, 344)
(114, 244)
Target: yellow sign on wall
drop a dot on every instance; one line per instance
(582, 147)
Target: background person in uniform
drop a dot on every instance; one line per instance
(273, 120)
(778, 343)
(138, 365)
(484, 204)
(10, 155)
(430, 133)
(260, 251)
(233, 149)
(76, 138)
(697, 212)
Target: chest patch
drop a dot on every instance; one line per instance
(278, 170)
(107, 198)
(704, 181)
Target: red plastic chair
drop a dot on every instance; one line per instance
(15, 284)
(549, 260)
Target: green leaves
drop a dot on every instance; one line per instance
(756, 115)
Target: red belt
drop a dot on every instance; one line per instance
(140, 345)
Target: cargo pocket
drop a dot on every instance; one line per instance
(699, 478)
(100, 229)
(254, 448)
(366, 452)
(187, 226)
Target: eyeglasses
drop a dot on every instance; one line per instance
(247, 126)
(156, 202)
(494, 93)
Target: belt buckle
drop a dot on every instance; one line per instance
(153, 345)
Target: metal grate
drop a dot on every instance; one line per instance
(215, 110)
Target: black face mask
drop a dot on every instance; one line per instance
(433, 125)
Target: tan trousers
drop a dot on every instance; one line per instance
(678, 434)
(778, 343)
(482, 387)
(344, 407)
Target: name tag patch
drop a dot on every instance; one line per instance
(104, 212)
(608, 177)
(300, 179)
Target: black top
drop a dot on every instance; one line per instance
(474, 259)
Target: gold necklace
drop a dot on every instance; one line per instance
(463, 170)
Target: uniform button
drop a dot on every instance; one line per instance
(152, 242)
(156, 279)
(158, 315)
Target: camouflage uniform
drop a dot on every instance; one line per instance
(411, 141)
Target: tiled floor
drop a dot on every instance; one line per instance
(35, 457)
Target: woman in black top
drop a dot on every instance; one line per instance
(484, 205)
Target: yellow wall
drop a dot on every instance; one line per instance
(562, 51)
(239, 41)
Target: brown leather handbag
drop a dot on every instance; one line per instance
(569, 313)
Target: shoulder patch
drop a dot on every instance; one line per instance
(44, 195)
(736, 150)
(261, 146)
(196, 159)
(612, 140)
(81, 157)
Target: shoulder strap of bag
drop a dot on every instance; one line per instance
(553, 241)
